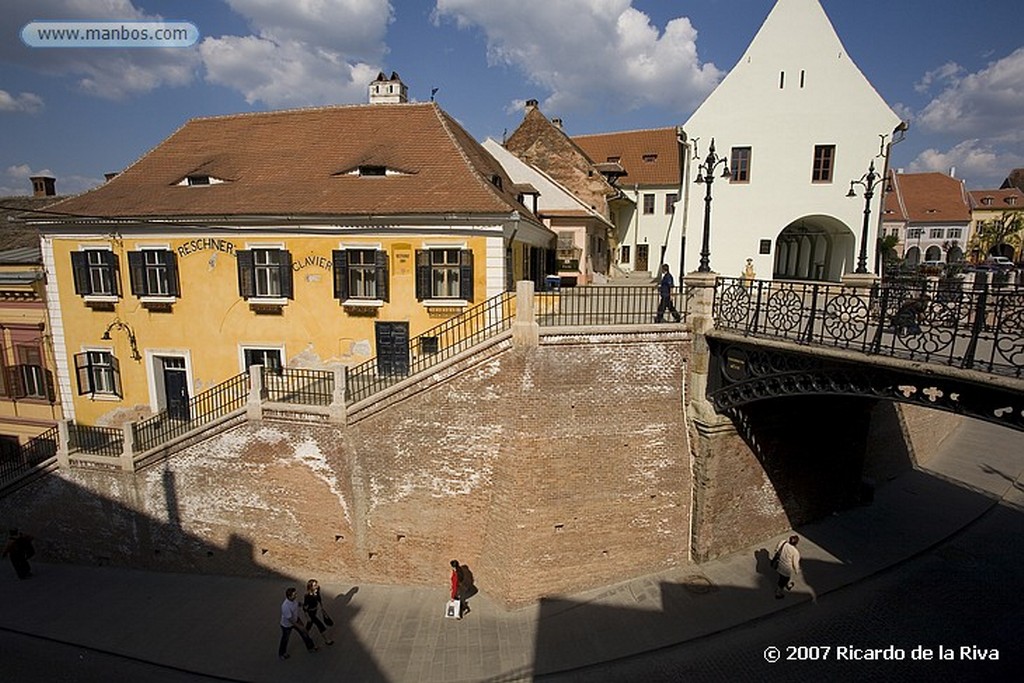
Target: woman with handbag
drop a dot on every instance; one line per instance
(312, 603)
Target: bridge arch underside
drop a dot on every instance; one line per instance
(744, 374)
(814, 247)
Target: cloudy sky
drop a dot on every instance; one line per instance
(954, 69)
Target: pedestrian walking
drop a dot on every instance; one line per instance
(787, 563)
(289, 620)
(458, 587)
(665, 287)
(20, 549)
(312, 604)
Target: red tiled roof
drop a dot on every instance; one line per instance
(1005, 199)
(297, 162)
(650, 157)
(929, 198)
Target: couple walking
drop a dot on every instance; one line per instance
(313, 606)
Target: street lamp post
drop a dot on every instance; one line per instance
(868, 181)
(706, 175)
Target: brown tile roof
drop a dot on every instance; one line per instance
(650, 157)
(1002, 199)
(13, 233)
(931, 198)
(297, 163)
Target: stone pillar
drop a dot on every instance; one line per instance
(254, 406)
(64, 444)
(337, 414)
(702, 285)
(128, 447)
(525, 330)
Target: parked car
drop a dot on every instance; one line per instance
(999, 264)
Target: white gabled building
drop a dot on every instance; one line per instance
(797, 121)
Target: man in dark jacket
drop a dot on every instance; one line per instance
(665, 287)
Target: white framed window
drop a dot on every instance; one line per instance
(153, 273)
(95, 271)
(98, 373)
(265, 273)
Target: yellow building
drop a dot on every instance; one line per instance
(29, 404)
(304, 238)
(1004, 207)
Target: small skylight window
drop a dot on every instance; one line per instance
(614, 160)
(649, 158)
(373, 170)
(200, 179)
(496, 180)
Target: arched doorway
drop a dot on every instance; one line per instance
(814, 248)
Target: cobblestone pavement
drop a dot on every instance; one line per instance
(963, 596)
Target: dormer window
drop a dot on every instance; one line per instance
(1012, 201)
(649, 158)
(196, 179)
(614, 160)
(372, 170)
(496, 181)
(987, 201)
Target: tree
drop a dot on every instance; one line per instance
(990, 235)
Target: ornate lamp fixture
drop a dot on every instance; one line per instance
(706, 175)
(868, 181)
(118, 324)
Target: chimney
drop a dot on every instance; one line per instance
(557, 123)
(530, 105)
(952, 171)
(43, 186)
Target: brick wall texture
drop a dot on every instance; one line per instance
(547, 470)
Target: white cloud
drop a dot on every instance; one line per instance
(591, 51)
(987, 103)
(112, 74)
(15, 181)
(283, 75)
(977, 162)
(306, 52)
(26, 102)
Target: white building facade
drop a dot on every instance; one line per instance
(796, 121)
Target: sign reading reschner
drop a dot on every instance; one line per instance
(128, 33)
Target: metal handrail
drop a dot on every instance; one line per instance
(201, 409)
(944, 322)
(434, 346)
(29, 455)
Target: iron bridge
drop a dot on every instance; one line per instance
(928, 343)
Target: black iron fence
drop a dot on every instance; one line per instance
(201, 409)
(105, 441)
(606, 305)
(22, 459)
(295, 385)
(433, 346)
(976, 327)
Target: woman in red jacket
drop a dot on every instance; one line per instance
(457, 585)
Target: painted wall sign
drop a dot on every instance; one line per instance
(312, 261)
(207, 243)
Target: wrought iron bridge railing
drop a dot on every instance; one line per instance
(942, 322)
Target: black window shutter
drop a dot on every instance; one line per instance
(246, 274)
(80, 269)
(113, 263)
(339, 261)
(466, 275)
(287, 283)
(171, 261)
(51, 388)
(116, 367)
(137, 273)
(15, 383)
(382, 275)
(422, 274)
(84, 373)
